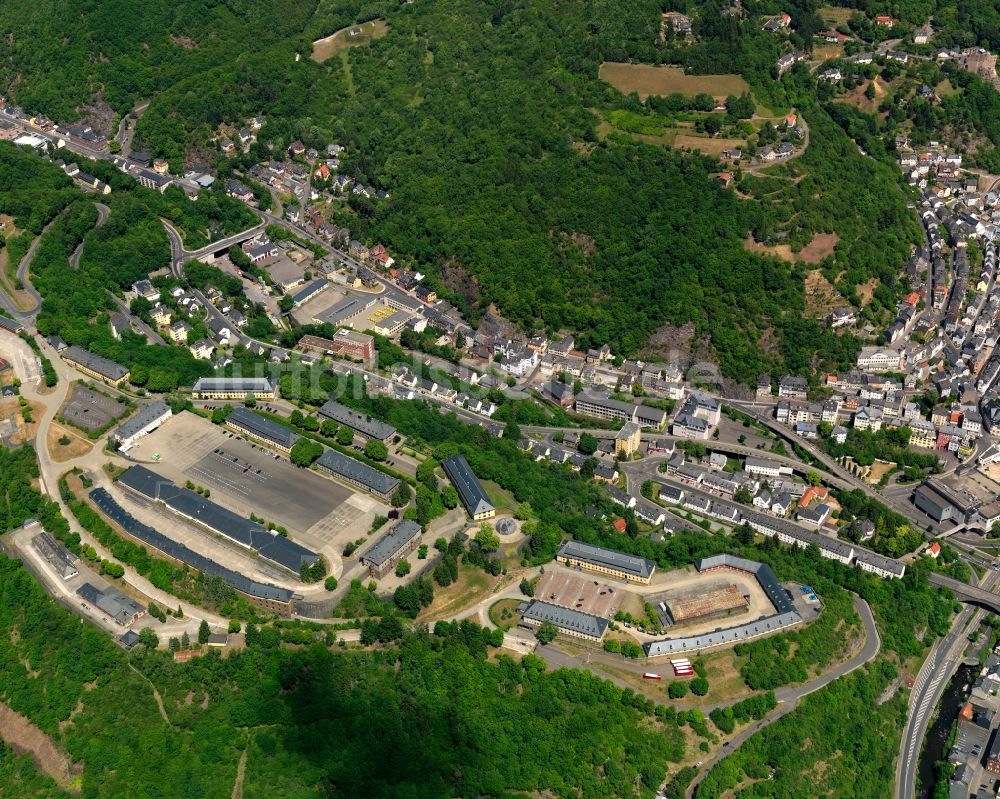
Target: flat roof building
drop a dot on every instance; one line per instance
(475, 499)
(606, 561)
(144, 422)
(234, 388)
(361, 423)
(96, 366)
(570, 622)
(345, 344)
(357, 473)
(262, 428)
(391, 548)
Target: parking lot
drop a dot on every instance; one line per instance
(580, 592)
(249, 478)
(89, 410)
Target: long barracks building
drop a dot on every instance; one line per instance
(606, 561)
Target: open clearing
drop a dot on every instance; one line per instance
(76, 448)
(23, 736)
(247, 477)
(821, 246)
(821, 296)
(708, 146)
(835, 15)
(472, 585)
(647, 80)
(352, 36)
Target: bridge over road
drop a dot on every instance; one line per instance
(968, 593)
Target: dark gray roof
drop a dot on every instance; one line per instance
(103, 367)
(351, 469)
(566, 618)
(475, 499)
(363, 423)
(169, 547)
(398, 536)
(6, 323)
(262, 427)
(146, 415)
(112, 601)
(244, 384)
(607, 558)
(267, 544)
(309, 290)
(763, 573)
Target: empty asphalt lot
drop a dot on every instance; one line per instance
(249, 478)
(89, 410)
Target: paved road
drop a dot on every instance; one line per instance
(151, 335)
(927, 689)
(102, 217)
(788, 697)
(49, 471)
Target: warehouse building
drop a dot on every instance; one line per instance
(785, 615)
(389, 549)
(570, 622)
(255, 537)
(344, 344)
(112, 603)
(265, 595)
(94, 365)
(704, 605)
(364, 425)
(358, 474)
(475, 499)
(234, 388)
(261, 428)
(143, 423)
(62, 561)
(577, 554)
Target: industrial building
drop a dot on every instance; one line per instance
(570, 622)
(785, 614)
(62, 561)
(392, 547)
(261, 428)
(251, 535)
(94, 365)
(474, 498)
(143, 423)
(704, 605)
(630, 568)
(234, 388)
(364, 425)
(358, 474)
(113, 603)
(344, 344)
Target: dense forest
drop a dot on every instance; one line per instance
(477, 117)
(432, 718)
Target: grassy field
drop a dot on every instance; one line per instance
(835, 15)
(503, 613)
(353, 36)
(708, 145)
(646, 79)
(472, 585)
